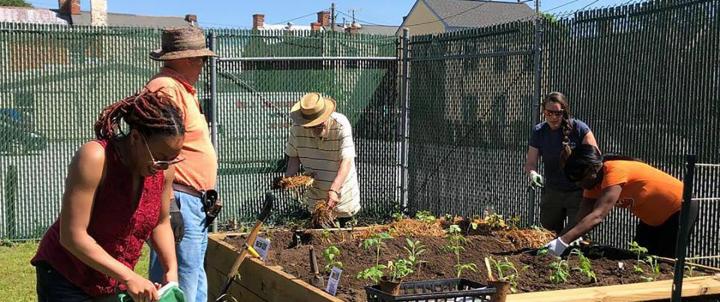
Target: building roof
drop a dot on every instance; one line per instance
(30, 15)
(457, 14)
(115, 19)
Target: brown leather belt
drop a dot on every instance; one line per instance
(187, 190)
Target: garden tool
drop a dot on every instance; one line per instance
(317, 280)
(247, 250)
(526, 250)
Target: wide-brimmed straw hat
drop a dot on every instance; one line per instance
(180, 43)
(313, 109)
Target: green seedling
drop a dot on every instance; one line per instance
(455, 245)
(331, 255)
(376, 240)
(584, 265)
(506, 271)
(425, 216)
(399, 269)
(514, 222)
(561, 271)
(652, 263)
(373, 273)
(414, 249)
(398, 216)
(495, 221)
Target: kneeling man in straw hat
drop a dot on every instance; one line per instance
(321, 140)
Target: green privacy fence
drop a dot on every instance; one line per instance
(54, 80)
(644, 76)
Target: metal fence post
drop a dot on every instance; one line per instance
(11, 192)
(682, 236)
(537, 58)
(404, 98)
(213, 106)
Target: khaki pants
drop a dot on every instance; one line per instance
(557, 205)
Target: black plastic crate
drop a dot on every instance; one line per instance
(434, 291)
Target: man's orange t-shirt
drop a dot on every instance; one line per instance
(652, 195)
(199, 169)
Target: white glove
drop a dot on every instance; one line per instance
(536, 180)
(556, 247)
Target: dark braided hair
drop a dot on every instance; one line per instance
(151, 113)
(585, 156)
(565, 124)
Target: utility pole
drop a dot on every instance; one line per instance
(332, 16)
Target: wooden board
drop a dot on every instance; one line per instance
(696, 286)
(262, 283)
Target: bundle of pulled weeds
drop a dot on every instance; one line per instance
(322, 216)
(293, 182)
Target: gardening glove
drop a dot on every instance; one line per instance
(556, 247)
(536, 180)
(176, 221)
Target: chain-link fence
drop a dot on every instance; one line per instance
(643, 76)
(54, 81)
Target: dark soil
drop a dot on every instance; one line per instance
(294, 258)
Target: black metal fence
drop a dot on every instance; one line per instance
(645, 77)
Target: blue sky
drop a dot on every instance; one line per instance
(238, 13)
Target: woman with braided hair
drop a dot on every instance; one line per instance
(553, 140)
(117, 196)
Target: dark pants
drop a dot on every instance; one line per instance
(343, 221)
(53, 287)
(662, 240)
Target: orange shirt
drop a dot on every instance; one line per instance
(652, 195)
(199, 169)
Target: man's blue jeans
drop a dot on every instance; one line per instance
(190, 251)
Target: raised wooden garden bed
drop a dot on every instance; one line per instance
(286, 273)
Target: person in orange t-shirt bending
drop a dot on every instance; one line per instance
(612, 181)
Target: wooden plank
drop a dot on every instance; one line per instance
(696, 286)
(266, 283)
(275, 285)
(236, 289)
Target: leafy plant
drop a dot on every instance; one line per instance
(414, 249)
(506, 271)
(690, 271)
(326, 235)
(514, 222)
(561, 271)
(455, 245)
(398, 216)
(584, 265)
(652, 263)
(376, 240)
(495, 221)
(399, 269)
(331, 253)
(373, 273)
(637, 249)
(425, 216)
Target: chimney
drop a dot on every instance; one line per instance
(315, 26)
(258, 21)
(69, 7)
(192, 19)
(323, 18)
(98, 12)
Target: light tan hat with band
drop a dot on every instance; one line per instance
(313, 109)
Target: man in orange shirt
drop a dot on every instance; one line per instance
(610, 181)
(183, 55)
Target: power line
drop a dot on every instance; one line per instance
(591, 3)
(293, 19)
(448, 17)
(562, 5)
(358, 19)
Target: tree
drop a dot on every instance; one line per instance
(18, 3)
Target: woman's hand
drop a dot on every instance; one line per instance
(333, 199)
(171, 277)
(141, 289)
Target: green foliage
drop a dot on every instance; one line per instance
(514, 222)
(373, 273)
(506, 271)
(584, 265)
(414, 249)
(399, 269)
(455, 245)
(398, 216)
(561, 271)
(331, 254)
(652, 263)
(637, 249)
(425, 216)
(376, 240)
(16, 3)
(495, 221)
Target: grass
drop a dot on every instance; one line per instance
(18, 277)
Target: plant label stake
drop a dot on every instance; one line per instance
(248, 250)
(333, 281)
(262, 246)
